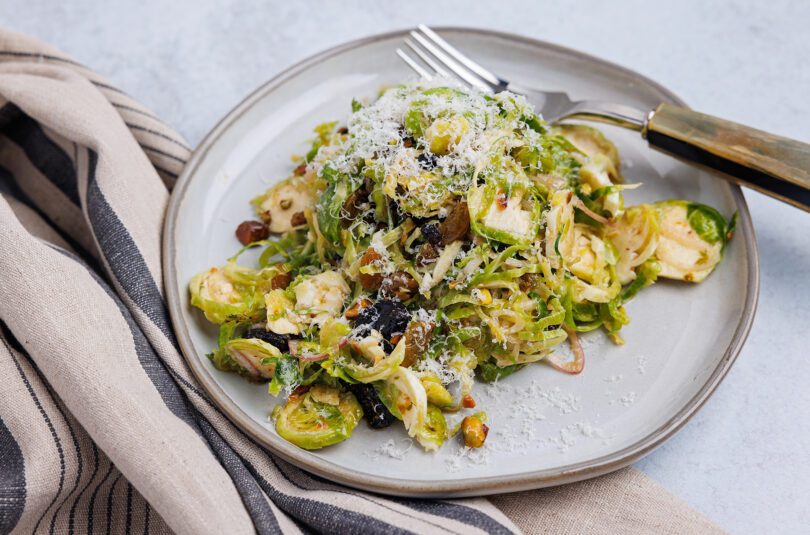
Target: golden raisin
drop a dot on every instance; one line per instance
(280, 281)
(370, 281)
(417, 339)
(456, 225)
(527, 281)
(426, 253)
(400, 285)
(300, 170)
(468, 402)
(354, 310)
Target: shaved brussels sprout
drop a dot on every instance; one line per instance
(312, 423)
(691, 241)
(559, 239)
(255, 356)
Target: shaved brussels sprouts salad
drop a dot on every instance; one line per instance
(441, 234)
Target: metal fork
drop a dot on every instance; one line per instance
(774, 165)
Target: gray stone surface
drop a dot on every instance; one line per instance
(744, 459)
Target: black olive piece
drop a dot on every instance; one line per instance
(427, 160)
(375, 412)
(387, 316)
(280, 341)
(431, 233)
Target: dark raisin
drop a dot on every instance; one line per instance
(251, 231)
(343, 130)
(298, 219)
(427, 160)
(375, 412)
(387, 316)
(407, 142)
(431, 233)
(280, 341)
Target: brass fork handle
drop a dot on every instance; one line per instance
(773, 165)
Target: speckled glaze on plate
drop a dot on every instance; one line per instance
(548, 428)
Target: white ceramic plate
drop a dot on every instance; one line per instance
(547, 428)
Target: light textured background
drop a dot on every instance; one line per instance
(744, 460)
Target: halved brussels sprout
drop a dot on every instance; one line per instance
(411, 402)
(255, 356)
(370, 347)
(433, 432)
(312, 423)
(418, 191)
(416, 120)
(592, 142)
(383, 369)
(220, 298)
(436, 393)
(635, 236)
(443, 134)
(321, 297)
(691, 240)
(507, 216)
(280, 202)
(601, 169)
(281, 316)
(332, 333)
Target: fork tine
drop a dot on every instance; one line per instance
(461, 58)
(413, 65)
(424, 57)
(458, 69)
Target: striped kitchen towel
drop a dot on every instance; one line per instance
(102, 426)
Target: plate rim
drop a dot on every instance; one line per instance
(414, 487)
